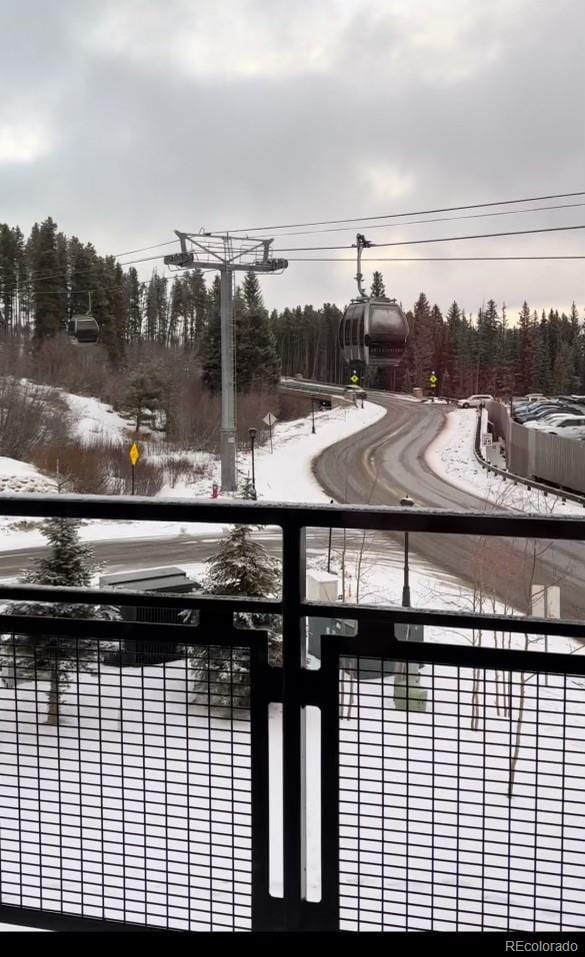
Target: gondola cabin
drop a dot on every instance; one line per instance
(373, 331)
(83, 329)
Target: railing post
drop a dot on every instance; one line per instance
(293, 593)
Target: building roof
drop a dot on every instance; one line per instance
(169, 578)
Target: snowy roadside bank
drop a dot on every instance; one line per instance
(285, 475)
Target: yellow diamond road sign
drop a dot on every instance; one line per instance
(134, 453)
(354, 380)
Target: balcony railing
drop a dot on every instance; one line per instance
(221, 791)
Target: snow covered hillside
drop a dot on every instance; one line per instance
(284, 475)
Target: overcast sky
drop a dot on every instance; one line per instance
(127, 119)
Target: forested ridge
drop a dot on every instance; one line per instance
(47, 277)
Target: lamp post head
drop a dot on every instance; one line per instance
(406, 502)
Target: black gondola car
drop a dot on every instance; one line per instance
(373, 332)
(83, 329)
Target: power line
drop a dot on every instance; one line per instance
(324, 259)
(429, 259)
(410, 242)
(439, 219)
(170, 242)
(418, 212)
(442, 239)
(146, 259)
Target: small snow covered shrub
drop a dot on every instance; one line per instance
(221, 673)
(28, 419)
(177, 467)
(48, 656)
(99, 469)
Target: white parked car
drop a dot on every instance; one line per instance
(558, 421)
(570, 428)
(568, 433)
(474, 401)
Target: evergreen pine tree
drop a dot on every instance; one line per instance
(211, 344)
(240, 567)
(145, 390)
(48, 283)
(420, 345)
(82, 261)
(134, 296)
(563, 370)
(10, 248)
(257, 361)
(251, 292)
(455, 350)
(248, 490)
(378, 290)
(111, 309)
(54, 657)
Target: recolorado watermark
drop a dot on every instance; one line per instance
(541, 946)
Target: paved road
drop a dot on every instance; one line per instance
(385, 461)
(378, 466)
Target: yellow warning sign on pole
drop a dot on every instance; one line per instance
(134, 454)
(354, 379)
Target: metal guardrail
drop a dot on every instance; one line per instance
(143, 808)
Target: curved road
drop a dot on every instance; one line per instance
(378, 466)
(382, 463)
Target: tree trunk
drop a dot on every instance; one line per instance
(516, 753)
(53, 710)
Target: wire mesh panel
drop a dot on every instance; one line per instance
(125, 794)
(460, 809)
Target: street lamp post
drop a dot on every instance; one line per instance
(406, 502)
(329, 547)
(252, 434)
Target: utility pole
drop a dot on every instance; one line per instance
(227, 435)
(406, 502)
(226, 254)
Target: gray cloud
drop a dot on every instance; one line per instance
(124, 120)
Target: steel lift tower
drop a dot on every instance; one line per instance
(226, 254)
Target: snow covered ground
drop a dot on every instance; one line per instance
(138, 806)
(18, 476)
(451, 456)
(156, 833)
(285, 475)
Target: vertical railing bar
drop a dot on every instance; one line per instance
(536, 782)
(330, 795)
(563, 776)
(259, 783)
(293, 593)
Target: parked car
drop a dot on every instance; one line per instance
(570, 433)
(542, 411)
(474, 401)
(533, 397)
(557, 422)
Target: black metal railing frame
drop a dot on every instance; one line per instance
(292, 684)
